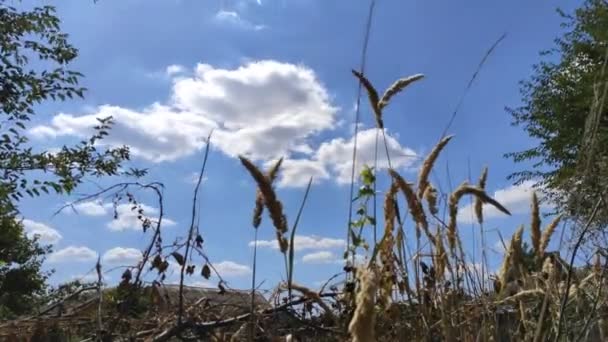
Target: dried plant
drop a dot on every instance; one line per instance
(547, 233)
(430, 194)
(512, 260)
(362, 326)
(274, 206)
(374, 99)
(413, 203)
(259, 197)
(440, 259)
(386, 246)
(428, 164)
(466, 189)
(397, 87)
(478, 202)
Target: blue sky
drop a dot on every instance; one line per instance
(272, 78)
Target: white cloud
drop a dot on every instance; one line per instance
(264, 110)
(234, 19)
(122, 256)
(322, 257)
(73, 254)
(127, 219)
(334, 159)
(297, 172)
(45, 233)
(193, 178)
(231, 269)
(303, 242)
(337, 154)
(157, 133)
(92, 208)
(175, 69)
(516, 198)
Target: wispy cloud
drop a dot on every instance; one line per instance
(303, 242)
(234, 19)
(322, 257)
(231, 269)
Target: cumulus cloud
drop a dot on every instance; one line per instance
(335, 156)
(127, 219)
(92, 208)
(322, 257)
(122, 256)
(231, 269)
(297, 172)
(73, 254)
(304, 242)
(516, 198)
(44, 233)
(157, 133)
(264, 110)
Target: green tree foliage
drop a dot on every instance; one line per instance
(565, 110)
(34, 58)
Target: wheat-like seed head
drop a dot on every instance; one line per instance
(372, 93)
(478, 202)
(414, 204)
(512, 259)
(362, 326)
(466, 189)
(275, 208)
(386, 246)
(431, 199)
(535, 226)
(259, 197)
(440, 257)
(547, 233)
(427, 166)
(397, 87)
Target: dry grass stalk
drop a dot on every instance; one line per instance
(387, 245)
(413, 204)
(361, 326)
(478, 202)
(524, 293)
(430, 194)
(259, 197)
(427, 166)
(512, 259)
(535, 226)
(466, 189)
(312, 295)
(397, 87)
(440, 257)
(372, 93)
(547, 233)
(275, 208)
